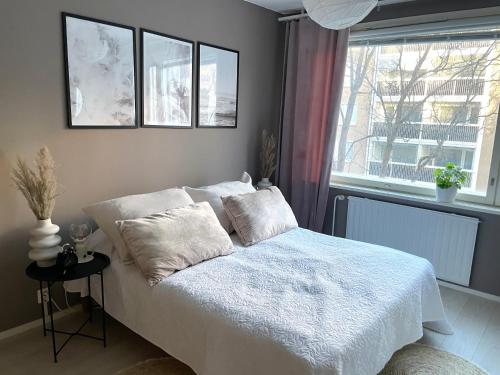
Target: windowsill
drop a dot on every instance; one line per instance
(419, 199)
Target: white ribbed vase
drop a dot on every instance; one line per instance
(44, 243)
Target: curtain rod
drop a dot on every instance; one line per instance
(303, 14)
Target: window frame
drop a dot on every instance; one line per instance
(491, 197)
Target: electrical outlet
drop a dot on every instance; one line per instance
(45, 294)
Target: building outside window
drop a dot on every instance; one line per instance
(413, 106)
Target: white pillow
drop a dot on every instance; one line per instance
(164, 243)
(132, 207)
(260, 215)
(213, 193)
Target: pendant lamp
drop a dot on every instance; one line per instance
(338, 14)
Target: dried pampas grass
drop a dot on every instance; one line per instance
(268, 154)
(39, 185)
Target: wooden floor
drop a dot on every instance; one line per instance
(31, 354)
(476, 325)
(476, 322)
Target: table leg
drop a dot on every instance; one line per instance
(103, 311)
(52, 323)
(43, 310)
(89, 299)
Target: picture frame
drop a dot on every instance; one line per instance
(167, 75)
(100, 73)
(217, 86)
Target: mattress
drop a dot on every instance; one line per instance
(299, 303)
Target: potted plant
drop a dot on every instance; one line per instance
(39, 187)
(448, 181)
(267, 159)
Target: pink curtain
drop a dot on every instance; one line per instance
(315, 67)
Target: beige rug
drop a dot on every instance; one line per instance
(414, 359)
(418, 359)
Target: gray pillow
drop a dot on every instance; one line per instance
(260, 215)
(175, 239)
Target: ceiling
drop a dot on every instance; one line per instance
(281, 6)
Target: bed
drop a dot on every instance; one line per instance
(298, 303)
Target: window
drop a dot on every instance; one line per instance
(455, 113)
(417, 105)
(411, 112)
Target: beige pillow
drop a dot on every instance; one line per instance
(260, 215)
(213, 193)
(171, 241)
(132, 207)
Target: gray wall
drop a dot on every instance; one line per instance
(95, 165)
(485, 275)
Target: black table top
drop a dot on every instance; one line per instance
(79, 271)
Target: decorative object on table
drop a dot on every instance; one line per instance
(52, 275)
(267, 159)
(39, 187)
(66, 259)
(99, 60)
(79, 234)
(218, 70)
(167, 80)
(338, 14)
(448, 181)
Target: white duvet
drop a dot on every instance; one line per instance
(299, 303)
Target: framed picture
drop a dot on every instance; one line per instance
(100, 73)
(218, 70)
(167, 80)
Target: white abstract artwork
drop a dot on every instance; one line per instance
(217, 86)
(100, 73)
(167, 71)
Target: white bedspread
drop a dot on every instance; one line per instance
(299, 303)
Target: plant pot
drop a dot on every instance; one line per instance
(446, 195)
(44, 243)
(264, 183)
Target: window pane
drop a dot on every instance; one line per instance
(404, 153)
(468, 160)
(415, 107)
(448, 155)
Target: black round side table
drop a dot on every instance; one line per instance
(51, 275)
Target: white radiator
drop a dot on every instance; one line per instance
(446, 240)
